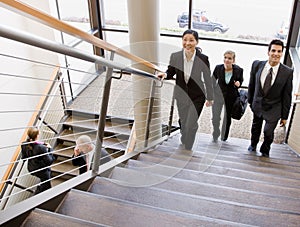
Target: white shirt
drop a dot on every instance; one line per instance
(265, 71)
(187, 66)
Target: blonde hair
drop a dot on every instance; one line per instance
(231, 53)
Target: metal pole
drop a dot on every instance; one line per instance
(102, 118)
(171, 117)
(149, 114)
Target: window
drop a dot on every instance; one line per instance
(239, 20)
(114, 14)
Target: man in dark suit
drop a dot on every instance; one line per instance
(269, 96)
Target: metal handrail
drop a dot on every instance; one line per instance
(53, 22)
(46, 44)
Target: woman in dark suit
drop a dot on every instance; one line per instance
(193, 85)
(227, 77)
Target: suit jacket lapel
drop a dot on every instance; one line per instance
(258, 73)
(278, 78)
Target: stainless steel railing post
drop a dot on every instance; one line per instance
(102, 117)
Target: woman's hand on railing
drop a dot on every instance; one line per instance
(161, 75)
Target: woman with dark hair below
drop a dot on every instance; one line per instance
(227, 77)
(193, 85)
(39, 159)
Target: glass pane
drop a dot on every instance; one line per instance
(82, 72)
(247, 20)
(75, 13)
(115, 14)
(173, 16)
(120, 40)
(245, 54)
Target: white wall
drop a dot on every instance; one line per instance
(9, 139)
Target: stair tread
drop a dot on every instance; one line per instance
(116, 212)
(206, 191)
(204, 166)
(48, 219)
(112, 125)
(64, 150)
(237, 152)
(213, 178)
(234, 146)
(64, 167)
(116, 143)
(265, 166)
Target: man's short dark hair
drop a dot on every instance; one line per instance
(276, 42)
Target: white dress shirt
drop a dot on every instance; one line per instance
(187, 66)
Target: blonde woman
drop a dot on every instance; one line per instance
(228, 78)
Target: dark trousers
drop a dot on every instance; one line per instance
(216, 118)
(188, 114)
(256, 128)
(45, 176)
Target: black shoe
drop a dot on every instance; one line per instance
(252, 148)
(265, 155)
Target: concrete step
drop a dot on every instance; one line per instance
(153, 196)
(244, 161)
(213, 191)
(211, 178)
(117, 212)
(234, 146)
(65, 151)
(273, 176)
(112, 125)
(115, 143)
(44, 218)
(211, 207)
(285, 168)
(64, 167)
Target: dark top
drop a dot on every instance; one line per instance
(45, 157)
(221, 88)
(276, 103)
(199, 86)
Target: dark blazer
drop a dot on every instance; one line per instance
(276, 103)
(45, 157)
(199, 86)
(221, 88)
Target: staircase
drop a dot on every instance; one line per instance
(217, 185)
(76, 123)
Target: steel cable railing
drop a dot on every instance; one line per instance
(50, 126)
(49, 109)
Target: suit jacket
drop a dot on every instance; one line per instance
(223, 90)
(277, 102)
(199, 86)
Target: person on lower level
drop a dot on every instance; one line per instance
(83, 154)
(40, 158)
